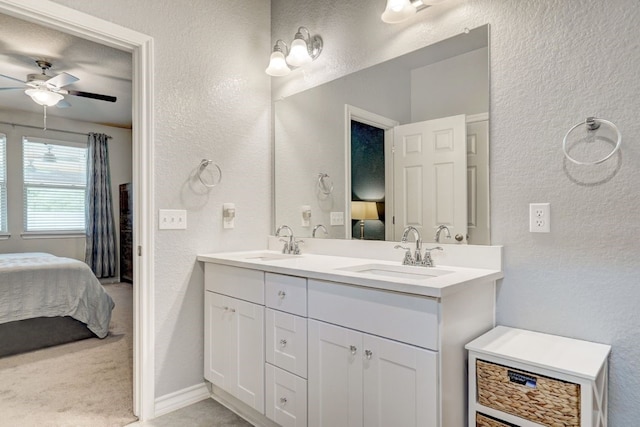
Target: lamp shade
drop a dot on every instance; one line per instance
(398, 11)
(277, 65)
(299, 53)
(364, 210)
(44, 97)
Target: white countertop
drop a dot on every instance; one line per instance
(327, 267)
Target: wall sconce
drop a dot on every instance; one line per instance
(304, 50)
(363, 211)
(401, 10)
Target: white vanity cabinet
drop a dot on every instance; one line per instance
(303, 344)
(234, 332)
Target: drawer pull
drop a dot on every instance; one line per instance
(283, 401)
(368, 354)
(353, 350)
(283, 343)
(282, 294)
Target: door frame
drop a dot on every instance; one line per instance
(381, 122)
(71, 21)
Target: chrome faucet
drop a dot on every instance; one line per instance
(291, 246)
(319, 226)
(439, 230)
(417, 258)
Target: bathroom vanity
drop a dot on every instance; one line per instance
(324, 340)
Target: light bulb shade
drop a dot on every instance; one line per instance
(44, 97)
(364, 210)
(277, 65)
(398, 11)
(299, 53)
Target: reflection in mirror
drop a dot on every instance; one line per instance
(409, 135)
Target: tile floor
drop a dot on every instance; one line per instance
(207, 413)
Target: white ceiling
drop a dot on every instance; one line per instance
(101, 70)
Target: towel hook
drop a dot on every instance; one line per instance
(592, 124)
(203, 165)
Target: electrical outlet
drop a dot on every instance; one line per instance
(539, 217)
(172, 219)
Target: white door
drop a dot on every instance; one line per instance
(430, 176)
(478, 182)
(400, 384)
(217, 330)
(335, 376)
(248, 345)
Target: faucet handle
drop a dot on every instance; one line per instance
(408, 259)
(285, 248)
(428, 261)
(295, 249)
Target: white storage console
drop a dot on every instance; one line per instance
(531, 379)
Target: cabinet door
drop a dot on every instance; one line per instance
(248, 342)
(286, 397)
(286, 345)
(218, 328)
(400, 384)
(335, 376)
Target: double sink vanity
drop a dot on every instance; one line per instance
(328, 339)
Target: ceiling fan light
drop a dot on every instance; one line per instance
(398, 11)
(299, 53)
(44, 97)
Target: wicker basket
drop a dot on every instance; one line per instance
(485, 421)
(537, 398)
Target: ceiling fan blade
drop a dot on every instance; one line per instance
(62, 79)
(11, 88)
(92, 95)
(63, 104)
(11, 78)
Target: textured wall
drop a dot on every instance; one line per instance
(553, 62)
(211, 101)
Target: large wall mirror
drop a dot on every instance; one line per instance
(404, 142)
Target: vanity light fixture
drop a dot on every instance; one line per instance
(277, 64)
(44, 96)
(304, 50)
(400, 10)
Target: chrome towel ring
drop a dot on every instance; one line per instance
(592, 124)
(325, 183)
(203, 165)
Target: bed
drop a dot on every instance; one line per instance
(47, 300)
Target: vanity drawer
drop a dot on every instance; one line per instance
(286, 341)
(285, 397)
(236, 282)
(411, 319)
(286, 293)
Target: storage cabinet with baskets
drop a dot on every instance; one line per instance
(526, 378)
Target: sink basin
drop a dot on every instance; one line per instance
(397, 271)
(268, 256)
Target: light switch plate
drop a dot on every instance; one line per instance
(172, 219)
(337, 218)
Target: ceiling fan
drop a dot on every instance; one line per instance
(48, 91)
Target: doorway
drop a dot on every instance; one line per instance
(100, 31)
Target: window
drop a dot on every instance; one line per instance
(3, 184)
(55, 182)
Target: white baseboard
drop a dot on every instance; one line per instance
(181, 398)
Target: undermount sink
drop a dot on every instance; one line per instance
(397, 271)
(268, 256)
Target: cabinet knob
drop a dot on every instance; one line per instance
(283, 401)
(368, 354)
(283, 343)
(225, 308)
(282, 294)
(353, 349)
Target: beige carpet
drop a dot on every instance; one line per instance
(86, 383)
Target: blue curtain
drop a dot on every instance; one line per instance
(100, 252)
